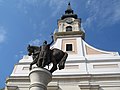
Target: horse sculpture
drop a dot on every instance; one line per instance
(56, 57)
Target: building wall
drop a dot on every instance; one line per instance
(83, 71)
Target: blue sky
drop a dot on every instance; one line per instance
(24, 22)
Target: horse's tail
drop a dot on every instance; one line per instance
(62, 62)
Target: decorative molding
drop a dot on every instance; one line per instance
(89, 87)
(12, 87)
(72, 67)
(99, 66)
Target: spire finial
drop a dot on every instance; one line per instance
(69, 9)
(69, 12)
(69, 6)
(69, 3)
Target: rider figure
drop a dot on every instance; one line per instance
(45, 52)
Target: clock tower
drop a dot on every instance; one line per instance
(69, 24)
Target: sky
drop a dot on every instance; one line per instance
(24, 22)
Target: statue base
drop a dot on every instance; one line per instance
(39, 78)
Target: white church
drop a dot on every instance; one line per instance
(87, 68)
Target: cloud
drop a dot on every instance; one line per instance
(32, 1)
(102, 13)
(36, 42)
(39, 41)
(55, 5)
(20, 54)
(2, 34)
(42, 24)
(1, 2)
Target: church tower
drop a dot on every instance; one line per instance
(69, 31)
(87, 68)
(69, 24)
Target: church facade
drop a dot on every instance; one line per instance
(87, 68)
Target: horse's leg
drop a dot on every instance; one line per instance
(54, 65)
(45, 56)
(34, 62)
(43, 62)
(62, 62)
(39, 62)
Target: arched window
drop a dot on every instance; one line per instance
(68, 28)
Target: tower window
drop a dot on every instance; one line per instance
(69, 47)
(68, 28)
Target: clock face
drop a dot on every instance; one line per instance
(69, 21)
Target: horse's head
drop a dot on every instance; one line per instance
(30, 50)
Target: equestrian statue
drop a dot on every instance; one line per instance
(43, 56)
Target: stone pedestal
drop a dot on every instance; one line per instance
(39, 78)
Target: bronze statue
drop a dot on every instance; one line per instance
(43, 56)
